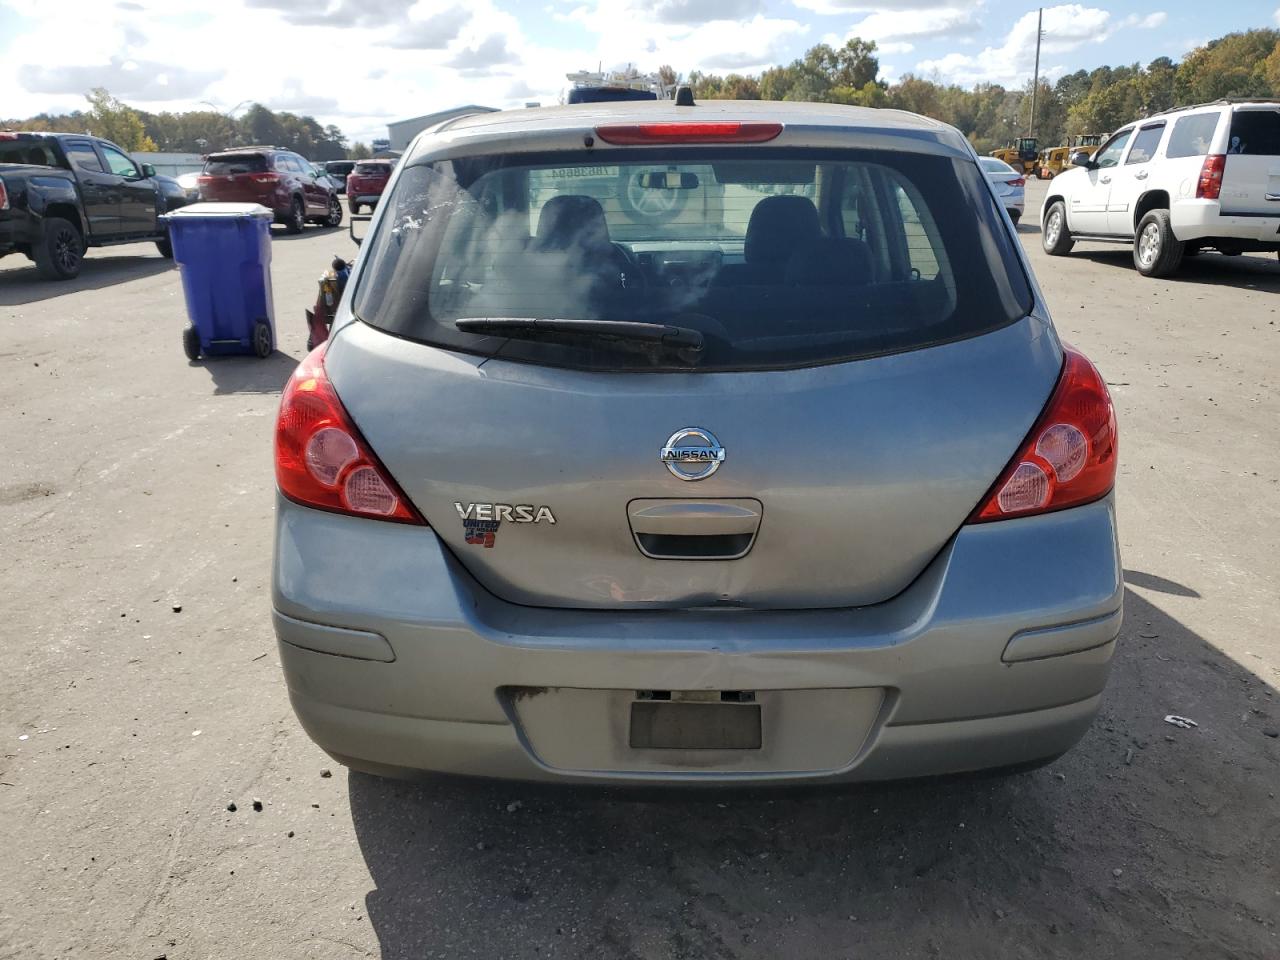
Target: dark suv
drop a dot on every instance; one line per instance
(339, 169)
(278, 179)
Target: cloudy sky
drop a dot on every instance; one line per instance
(360, 63)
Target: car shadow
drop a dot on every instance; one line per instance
(1260, 271)
(279, 233)
(248, 374)
(1149, 581)
(23, 285)
(1143, 841)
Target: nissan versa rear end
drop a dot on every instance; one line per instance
(727, 442)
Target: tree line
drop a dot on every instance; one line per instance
(1087, 101)
(196, 131)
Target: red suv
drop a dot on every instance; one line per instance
(366, 182)
(277, 179)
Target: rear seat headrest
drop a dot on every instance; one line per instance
(778, 225)
(572, 221)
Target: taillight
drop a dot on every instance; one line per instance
(1070, 456)
(266, 177)
(321, 459)
(1210, 184)
(633, 134)
(4, 196)
(1020, 182)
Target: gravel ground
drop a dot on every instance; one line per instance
(134, 483)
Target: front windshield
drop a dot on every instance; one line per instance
(777, 256)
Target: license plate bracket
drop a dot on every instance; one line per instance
(694, 725)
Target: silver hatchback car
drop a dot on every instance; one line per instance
(663, 443)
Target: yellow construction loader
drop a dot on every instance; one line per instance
(1056, 159)
(1020, 154)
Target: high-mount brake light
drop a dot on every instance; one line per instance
(707, 131)
(1069, 458)
(321, 459)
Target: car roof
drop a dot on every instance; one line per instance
(805, 124)
(236, 150)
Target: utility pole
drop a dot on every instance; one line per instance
(1035, 84)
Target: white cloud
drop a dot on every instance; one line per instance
(626, 29)
(429, 29)
(1149, 22)
(126, 78)
(1276, 16)
(888, 25)
(1066, 28)
(836, 7)
(893, 46)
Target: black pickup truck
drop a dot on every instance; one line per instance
(61, 193)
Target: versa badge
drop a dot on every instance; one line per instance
(480, 521)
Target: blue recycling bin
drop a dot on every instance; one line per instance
(224, 253)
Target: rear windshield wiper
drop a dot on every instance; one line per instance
(551, 328)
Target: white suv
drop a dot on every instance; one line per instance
(1191, 179)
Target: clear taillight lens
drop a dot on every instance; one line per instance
(321, 459)
(1069, 458)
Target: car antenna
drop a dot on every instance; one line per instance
(684, 97)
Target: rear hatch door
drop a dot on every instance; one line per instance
(867, 369)
(1251, 179)
(238, 178)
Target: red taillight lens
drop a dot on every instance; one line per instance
(4, 196)
(1020, 182)
(633, 134)
(1210, 185)
(321, 459)
(266, 178)
(1070, 456)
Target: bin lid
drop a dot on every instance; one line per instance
(201, 210)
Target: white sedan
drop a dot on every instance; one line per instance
(1009, 184)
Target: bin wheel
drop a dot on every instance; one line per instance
(262, 338)
(297, 217)
(191, 343)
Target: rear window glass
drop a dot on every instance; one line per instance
(35, 152)
(1255, 132)
(786, 258)
(1192, 135)
(372, 169)
(231, 163)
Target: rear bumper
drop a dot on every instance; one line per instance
(1198, 219)
(395, 658)
(370, 199)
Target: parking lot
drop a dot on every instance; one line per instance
(140, 694)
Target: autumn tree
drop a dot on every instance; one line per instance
(114, 121)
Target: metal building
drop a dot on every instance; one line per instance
(403, 131)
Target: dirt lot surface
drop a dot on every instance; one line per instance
(134, 482)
